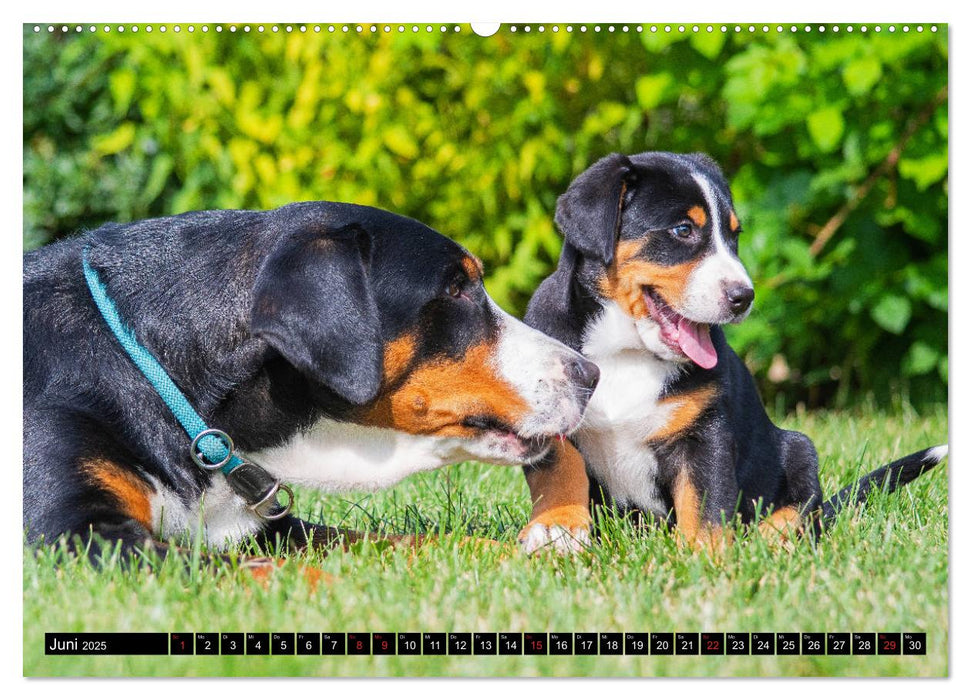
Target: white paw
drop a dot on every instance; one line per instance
(556, 538)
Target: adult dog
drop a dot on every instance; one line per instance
(341, 346)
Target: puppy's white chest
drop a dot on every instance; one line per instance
(624, 412)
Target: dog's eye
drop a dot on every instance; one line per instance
(682, 230)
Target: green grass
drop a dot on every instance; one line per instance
(881, 568)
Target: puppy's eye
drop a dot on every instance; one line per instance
(682, 230)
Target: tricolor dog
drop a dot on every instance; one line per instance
(648, 273)
(341, 346)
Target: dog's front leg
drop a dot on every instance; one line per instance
(698, 518)
(560, 492)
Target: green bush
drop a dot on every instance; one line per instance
(835, 143)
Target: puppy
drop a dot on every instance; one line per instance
(648, 273)
(340, 346)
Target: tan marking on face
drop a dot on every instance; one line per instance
(687, 408)
(692, 529)
(733, 222)
(627, 275)
(131, 492)
(398, 356)
(473, 267)
(698, 216)
(437, 396)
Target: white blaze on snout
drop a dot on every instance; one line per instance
(704, 299)
(535, 366)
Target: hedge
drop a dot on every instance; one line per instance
(835, 143)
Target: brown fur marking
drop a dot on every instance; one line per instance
(560, 493)
(628, 275)
(686, 409)
(132, 493)
(733, 222)
(686, 506)
(473, 267)
(437, 396)
(781, 525)
(698, 216)
(692, 530)
(398, 355)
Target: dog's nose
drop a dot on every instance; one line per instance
(583, 373)
(739, 297)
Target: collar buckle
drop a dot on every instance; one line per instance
(259, 489)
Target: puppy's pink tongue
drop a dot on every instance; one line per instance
(695, 342)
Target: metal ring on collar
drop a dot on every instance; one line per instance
(287, 507)
(199, 458)
(270, 498)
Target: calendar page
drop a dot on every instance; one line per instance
(491, 350)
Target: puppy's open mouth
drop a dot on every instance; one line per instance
(687, 337)
(528, 448)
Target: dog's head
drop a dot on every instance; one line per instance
(392, 319)
(657, 234)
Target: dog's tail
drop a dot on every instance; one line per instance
(887, 478)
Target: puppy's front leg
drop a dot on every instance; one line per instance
(560, 492)
(698, 515)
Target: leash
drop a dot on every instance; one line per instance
(211, 449)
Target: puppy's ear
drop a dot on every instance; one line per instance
(588, 213)
(313, 304)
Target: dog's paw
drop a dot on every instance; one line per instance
(781, 528)
(561, 530)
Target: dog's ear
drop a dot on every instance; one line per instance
(588, 213)
(313, 304)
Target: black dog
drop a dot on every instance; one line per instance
(341, 346)
(648, 272)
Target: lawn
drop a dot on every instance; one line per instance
(881, 568)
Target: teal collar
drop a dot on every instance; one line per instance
(211, 449)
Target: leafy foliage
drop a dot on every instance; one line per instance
(835, 143)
